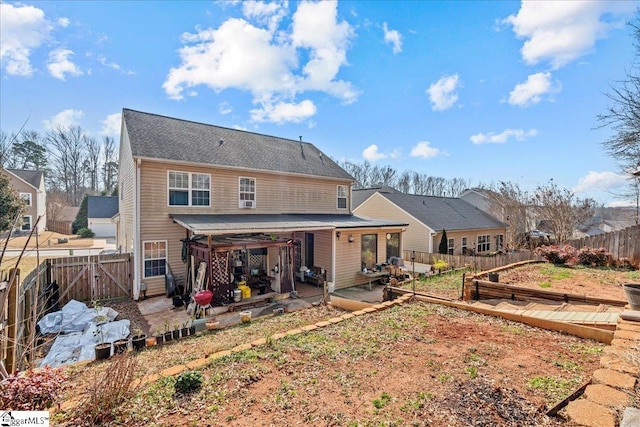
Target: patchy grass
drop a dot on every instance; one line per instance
(554, 388)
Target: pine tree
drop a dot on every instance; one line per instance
(11, 205)
(81, 220)
(444, 243)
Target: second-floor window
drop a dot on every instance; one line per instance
(484, 243)
(189, 189)
(26, 197)
(342, 197)
(247, 193)
(450, 246)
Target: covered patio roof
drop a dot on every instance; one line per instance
(274, 223)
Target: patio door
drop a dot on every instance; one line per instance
(308, 250)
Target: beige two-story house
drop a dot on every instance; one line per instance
(30, 186)
(247, 205)
(469, 229)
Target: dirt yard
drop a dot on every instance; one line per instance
(418, 364)
(593, 282)
(49, 239)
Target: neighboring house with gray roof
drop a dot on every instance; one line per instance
(101, 211)
(248, 205)
(468, 228)
(30, 186)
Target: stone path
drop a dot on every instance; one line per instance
(613, 386)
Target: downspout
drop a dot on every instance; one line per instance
(136, 235)
(333, 258)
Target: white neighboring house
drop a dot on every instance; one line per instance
(100, 213)
(30, 186)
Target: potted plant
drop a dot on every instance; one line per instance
(139, 340)
(120, 346)
(159, 337)
(192, 327)
(168, 336)
(102, 349)
(185, 329)
(176, 331)
(212, 324)
(632, 291)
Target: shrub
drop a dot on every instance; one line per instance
(556, 255)
(594, 257)
(33, 390)
(188, 381)
(440, 265)
(86, 232)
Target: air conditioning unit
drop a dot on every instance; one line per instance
(246, 203)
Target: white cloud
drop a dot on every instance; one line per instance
(111, 125)
(425, 150)
(393, 37)
(603, 181)
(22, 29)
(64, 119)
(269, 14)
(59, 64)
(562, 31)
(284, 112)
(372, 153)
(502, 137)
(64, 22)
(224, 108)
(442, 93)
(531, 91)
(103, 60)
(257, 58)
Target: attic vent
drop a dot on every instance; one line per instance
(221, 141)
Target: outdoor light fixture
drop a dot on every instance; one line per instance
(388, 236)
(351, 238)
(338, 235)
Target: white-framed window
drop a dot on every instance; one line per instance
(189, 189)
(484, 243)
(26, 223)
(342, 197)
(464, 246)
(155, 258)
(26, 197)
(450, 245)
(499, 241)
(246, 192)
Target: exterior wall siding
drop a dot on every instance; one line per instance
(417, 236)
(472, 238)
(274, 193)
(38, 200)
(126, 192)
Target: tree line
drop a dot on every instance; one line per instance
(73, 162)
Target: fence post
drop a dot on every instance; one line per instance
(12, 320)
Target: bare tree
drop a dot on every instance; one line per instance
(92, 164)
(623, 117)
(510, 204)
(68, 154)
(109, 165)
(559, 209)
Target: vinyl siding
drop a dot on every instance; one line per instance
(274, 193)
(416, 238)
(36, 201)
(126, 192)
(472, 237)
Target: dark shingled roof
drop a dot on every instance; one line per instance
(446, 213)
(158, 137)
(32, 177)
(360, 195)
(209, 224)
(102, 206)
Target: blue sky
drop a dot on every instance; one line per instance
(485, 91)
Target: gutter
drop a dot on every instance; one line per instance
(136, 234)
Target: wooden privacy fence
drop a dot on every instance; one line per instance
(93, 277)
(478, 262)
(621, 244)
(52, 284)
(62, 227)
